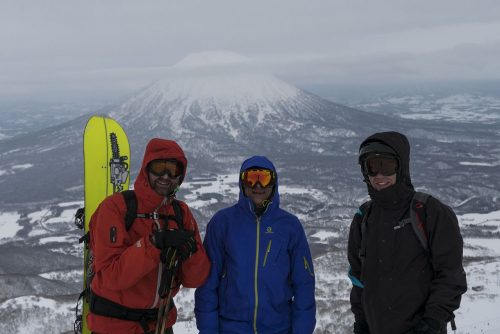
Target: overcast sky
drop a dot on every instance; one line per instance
(67, 49)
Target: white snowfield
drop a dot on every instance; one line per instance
(478, 313)
(8, 225)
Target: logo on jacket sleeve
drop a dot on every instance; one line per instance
(112, 234)
(307, 267)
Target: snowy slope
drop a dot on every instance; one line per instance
(21, 313)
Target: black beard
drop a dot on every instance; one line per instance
(163, 189)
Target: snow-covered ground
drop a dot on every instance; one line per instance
(8, 225)
(478, 313)
(479, 309)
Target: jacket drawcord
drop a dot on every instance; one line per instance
(155, 212)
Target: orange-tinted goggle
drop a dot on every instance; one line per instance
(161, 167)
(265, 177)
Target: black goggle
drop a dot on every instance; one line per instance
(384, 165)
(165, 167)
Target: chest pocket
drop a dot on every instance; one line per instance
(274, 252)
(406, 240)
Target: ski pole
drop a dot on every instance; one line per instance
(165, 289)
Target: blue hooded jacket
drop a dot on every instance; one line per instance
(262, 276)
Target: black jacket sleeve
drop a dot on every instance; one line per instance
(353, 247)
(446, 248)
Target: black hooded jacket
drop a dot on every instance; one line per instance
(401, 283)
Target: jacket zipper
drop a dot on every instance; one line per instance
(256, 290)
(268, 250)
(256, 272)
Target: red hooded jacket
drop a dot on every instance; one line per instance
(127, 269)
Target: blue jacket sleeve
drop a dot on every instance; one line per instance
(206, 297)
(303, 282)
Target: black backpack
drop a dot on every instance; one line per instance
(417, 219)
(103, 306)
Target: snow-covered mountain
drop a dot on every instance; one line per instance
(232, 110)
(218, 116)
(222, 109)
(233, 115)
(221, 114)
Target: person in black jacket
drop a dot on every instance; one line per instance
(398, 286)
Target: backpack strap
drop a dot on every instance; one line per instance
(131, 202)
(178, 218)
(131, 215)
(364, 212)
(418, 217)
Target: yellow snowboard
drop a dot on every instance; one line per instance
(106, 156)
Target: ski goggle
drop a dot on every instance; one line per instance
(161, 167)
(381, 165)
(265, 177)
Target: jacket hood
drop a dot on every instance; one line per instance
(259, 162)
(158, 148)
(401, 146)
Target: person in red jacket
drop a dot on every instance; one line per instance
(128, 263)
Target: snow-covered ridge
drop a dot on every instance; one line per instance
(219, 75)
(481, 219)
(467, 108)
(210, 85)
(236, 88)
(216, 100)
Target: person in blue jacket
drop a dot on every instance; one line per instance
(262, 276)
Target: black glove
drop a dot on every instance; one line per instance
(188, 248)
(182, 240)
(428, 326)
(361, 327)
